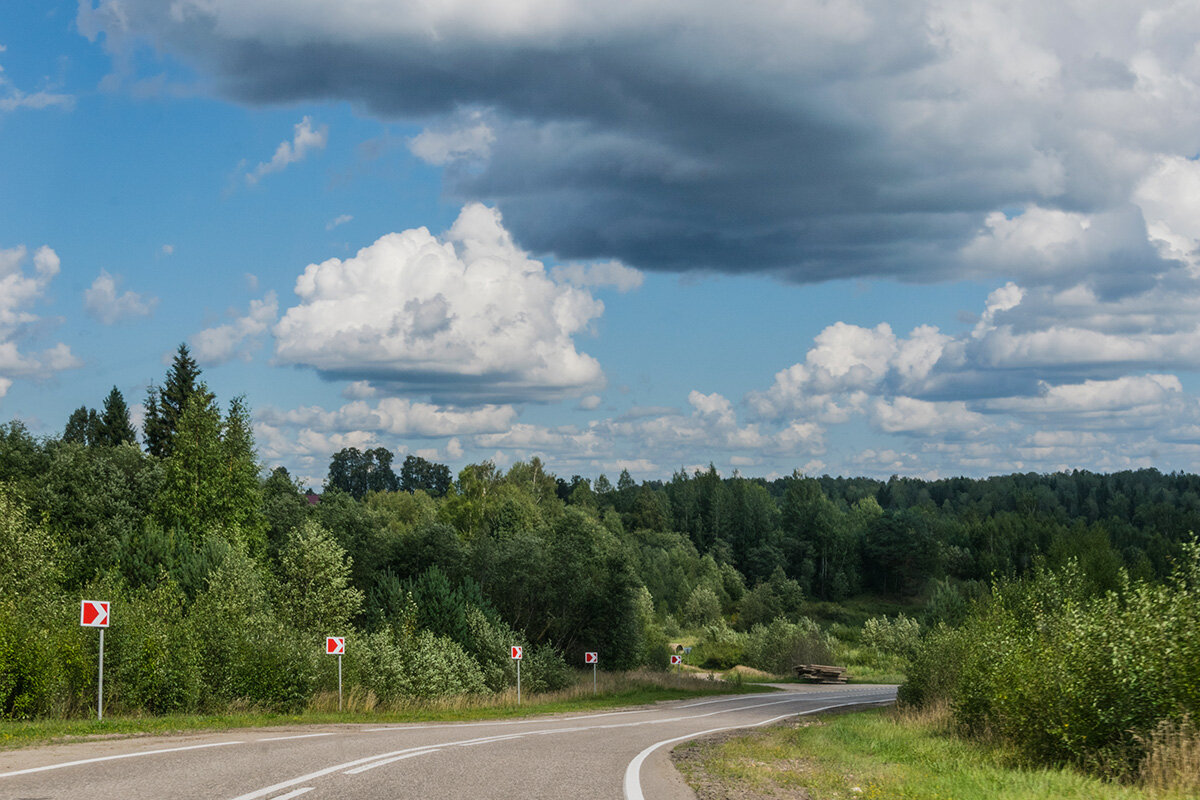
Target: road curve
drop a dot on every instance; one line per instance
(620, 755)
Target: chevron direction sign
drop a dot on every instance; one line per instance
(517, 651)
(335, 645)
(591, 658)
(93, 613)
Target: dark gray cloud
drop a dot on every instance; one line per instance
(817, 141)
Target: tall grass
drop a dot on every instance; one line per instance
(1172, 760)
(633, 686)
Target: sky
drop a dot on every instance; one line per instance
(916, 238)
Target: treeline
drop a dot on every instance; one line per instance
(225, 579)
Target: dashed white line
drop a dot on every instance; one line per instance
(297, 793)
(366, 767)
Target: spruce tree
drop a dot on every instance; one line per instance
(82, 426)
(114, 427)
(165, 404)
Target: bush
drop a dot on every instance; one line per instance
(420, 665)
(897, 636)
(720, 648)
(780, 645)
(1067, 676)
(152, 656)
(544, 670)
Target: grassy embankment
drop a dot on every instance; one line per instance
(613, 690)
(887, 754)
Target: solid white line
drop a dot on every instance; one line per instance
(297, 793)
(113, 758)
(633, 781)
(390, 760)
(286, 738)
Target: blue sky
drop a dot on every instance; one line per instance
(935, 239)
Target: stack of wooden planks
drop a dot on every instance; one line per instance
(820, 673)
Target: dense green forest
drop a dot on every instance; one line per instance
(225, 578)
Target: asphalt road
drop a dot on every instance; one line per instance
(613, 754)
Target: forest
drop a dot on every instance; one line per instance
(225, 578)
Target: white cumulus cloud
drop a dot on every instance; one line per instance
(103, 302)
(470, 317)
(20, 289)
(238, 338)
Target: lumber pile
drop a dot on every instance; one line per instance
(821, 673)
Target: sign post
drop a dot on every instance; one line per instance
(517, 651)
(94, 614)
(336, 646)
(592, 658)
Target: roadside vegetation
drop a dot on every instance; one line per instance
(890, 754)
(1056, 613)
(1064, 673)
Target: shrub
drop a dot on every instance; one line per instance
(544, 670)
(419, 665)
(152, 656)
(780, 645)
(898, 636)
(720, 648)
(1067, 676)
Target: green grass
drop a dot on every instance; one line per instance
(615, 690)
(878, 754)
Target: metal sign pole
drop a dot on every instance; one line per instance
(518, 681)
(339, 682)
(593, 677)
(100, 687)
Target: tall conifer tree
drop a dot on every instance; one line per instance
(165, 404)
(114, 427)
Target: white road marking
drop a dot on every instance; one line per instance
(390, 760)
(297, 793)
(633, 780)
(385, 758)
(286, 738)
(504, 722)
(113, 758)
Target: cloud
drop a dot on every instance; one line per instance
(468, 138)
(305, 140)
(13, 99)
(239, 338)
(340, 219)
(605, 273)
(811, 140)
(469, 318)
(20, 289)
(104, 304)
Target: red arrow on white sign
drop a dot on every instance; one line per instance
(93, 613)
(590, 658)
(335, 645)
(517, 651)
(676, 660)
